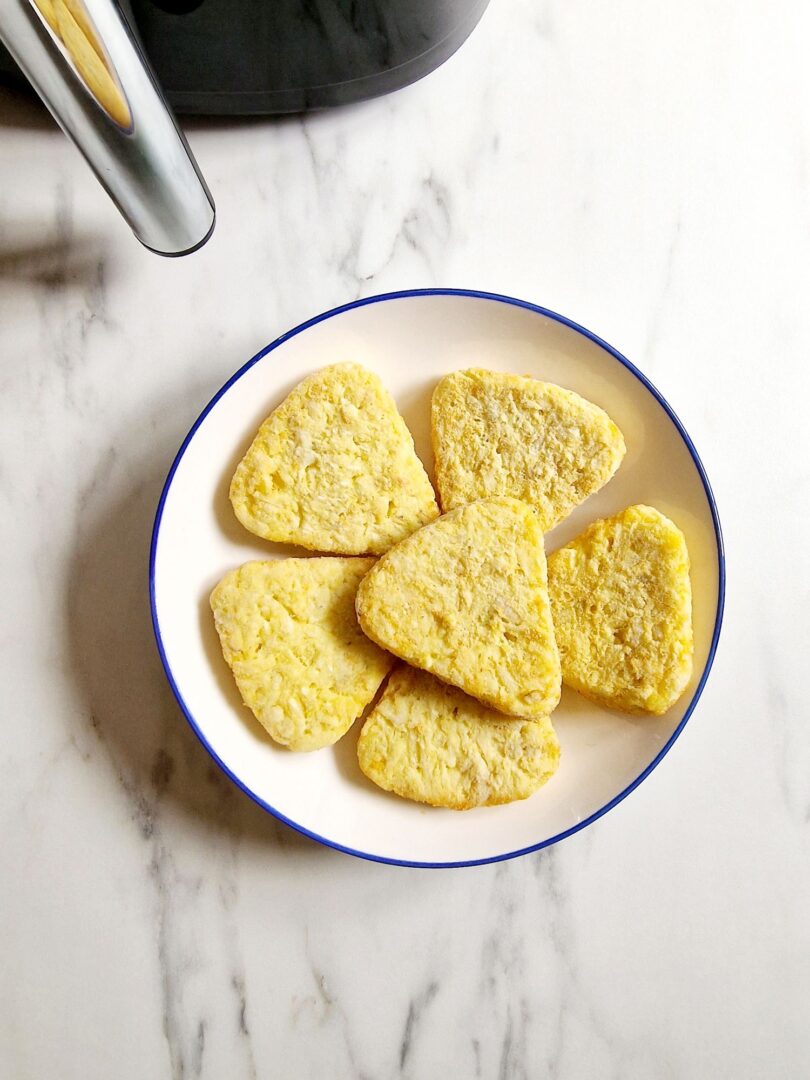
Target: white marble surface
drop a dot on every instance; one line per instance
(640, 167)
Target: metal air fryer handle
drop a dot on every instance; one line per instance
(84, 62)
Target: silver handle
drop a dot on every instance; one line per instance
(84, 62)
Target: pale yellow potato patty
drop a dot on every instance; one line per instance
(498, 434)
(430, 742)
(622, 605)
(334, 469)
(466, 598)
(289, 633)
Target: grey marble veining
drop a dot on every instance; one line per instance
(640, 168)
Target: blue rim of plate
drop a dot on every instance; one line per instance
(721, 564)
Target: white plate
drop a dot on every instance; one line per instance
(411, 339)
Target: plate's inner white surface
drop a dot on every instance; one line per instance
(410, 342)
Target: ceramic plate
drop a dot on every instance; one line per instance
(411, 339)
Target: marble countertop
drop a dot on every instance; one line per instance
(641, 168)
